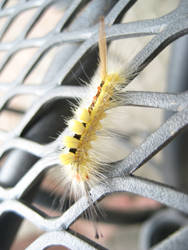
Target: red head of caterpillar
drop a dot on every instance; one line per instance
(89, 147)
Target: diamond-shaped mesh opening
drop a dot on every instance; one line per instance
(48, 51)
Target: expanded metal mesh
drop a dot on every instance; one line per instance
(29, 149)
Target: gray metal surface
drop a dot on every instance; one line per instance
(155, 230)
(178, 73)
(30, 154)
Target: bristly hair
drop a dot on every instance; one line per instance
(88, 146)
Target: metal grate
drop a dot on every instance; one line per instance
(28, 150)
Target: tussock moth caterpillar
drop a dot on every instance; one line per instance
(92, 141)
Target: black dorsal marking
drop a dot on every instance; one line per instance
(73, 150)
(77, 136)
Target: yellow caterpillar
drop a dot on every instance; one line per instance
(83, 159)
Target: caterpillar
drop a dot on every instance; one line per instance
(92, 141)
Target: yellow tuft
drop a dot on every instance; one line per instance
(71, 142)
(114, 78)
(77, 127)
(67, 159)
(84, 115)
